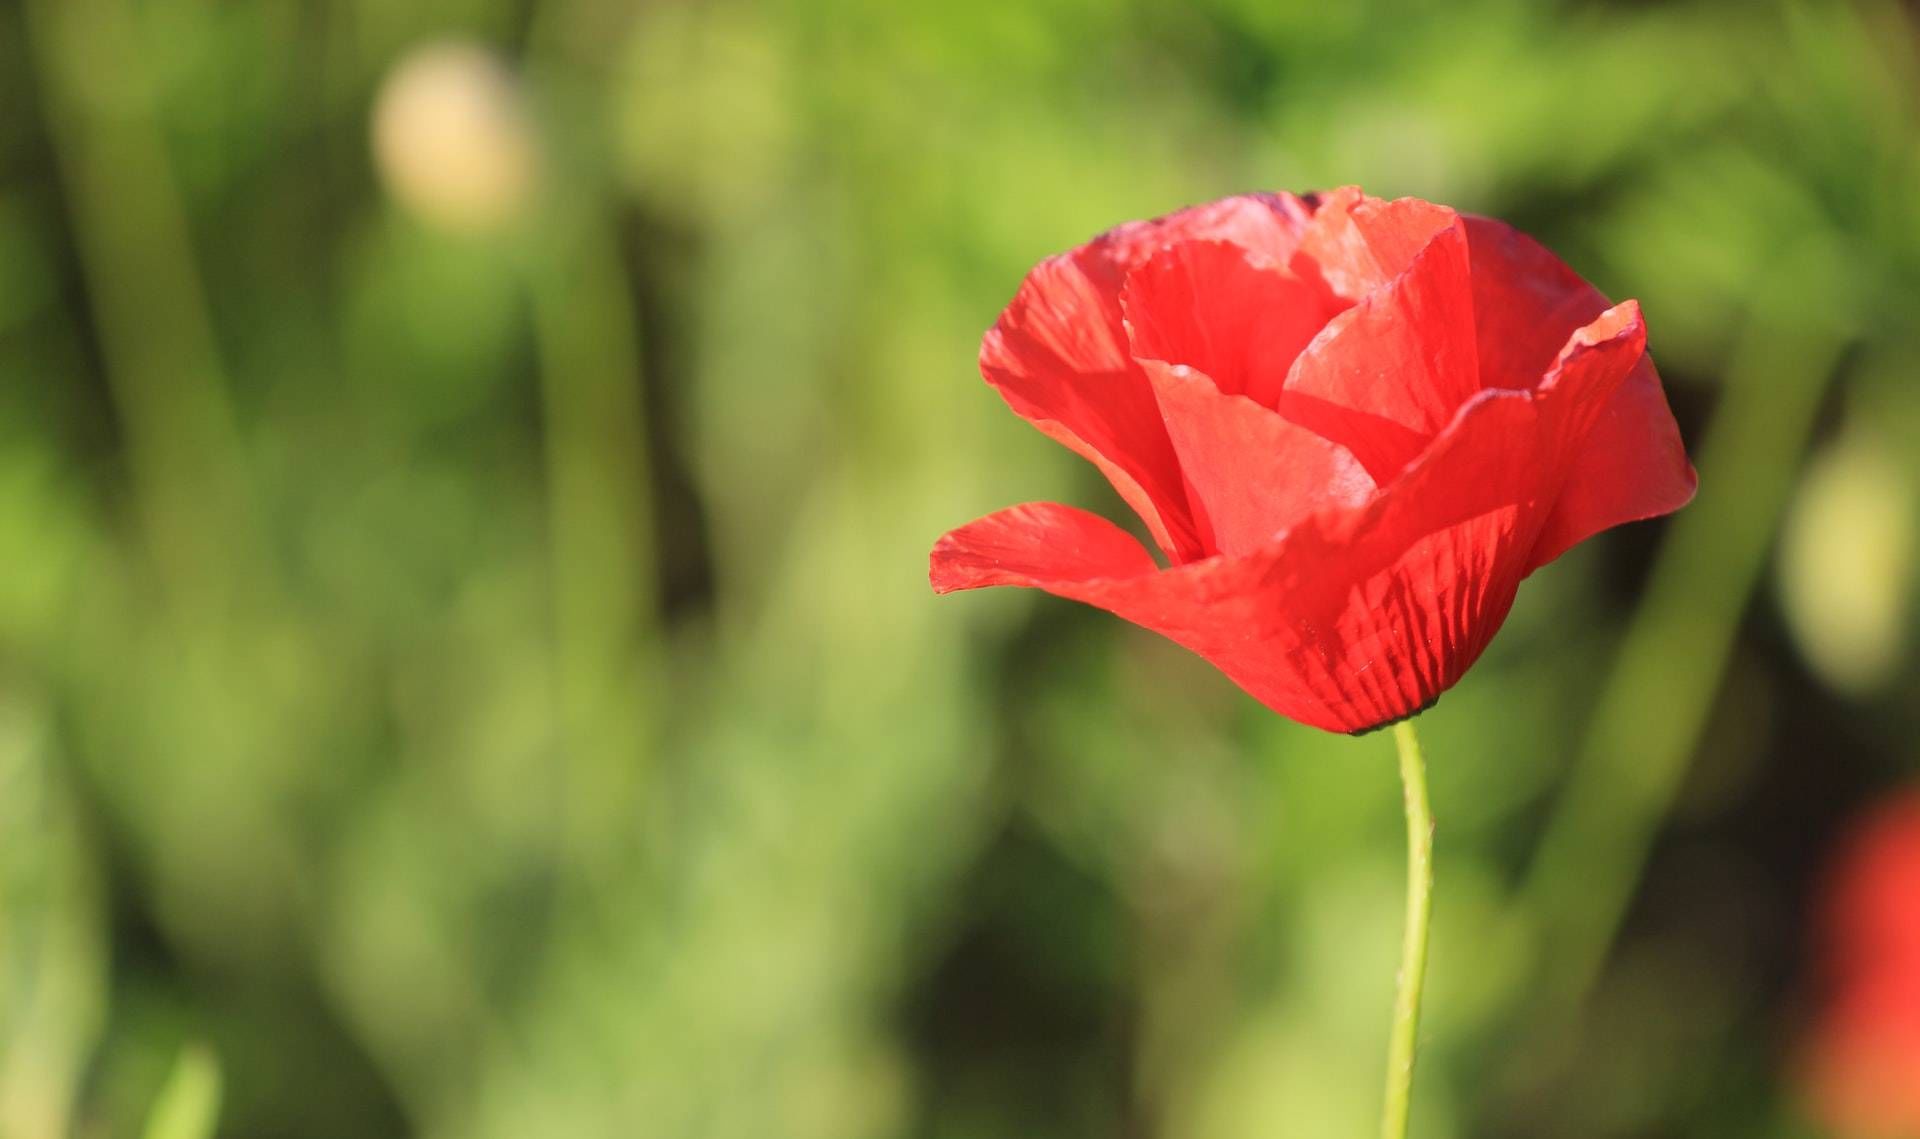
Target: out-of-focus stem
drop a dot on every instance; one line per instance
(154, 329)
(599, 475)
(600, 524)
(1651, 713)
(1404, 1041)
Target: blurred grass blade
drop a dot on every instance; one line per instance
(1649, 717)
(600, 494)
(155, 330)
(188, 1106)
(600, 527)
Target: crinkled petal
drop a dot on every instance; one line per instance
(1266, 225)
(1221, 310)
(1474, 412)
(1250, 473)
(1361, 616)
(1385, 376)
(1038, 544)
(1629, 465)
(1527, 302)
(1058, 357)
(1358, 245)
(1632, 466)
(1058, 353)
(1388, 604)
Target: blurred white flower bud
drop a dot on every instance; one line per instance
(1847, 562)
(452, 139)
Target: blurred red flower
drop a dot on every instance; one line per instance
(1861, 1071)
(1351, 425)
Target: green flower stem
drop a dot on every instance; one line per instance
(1403, 1044)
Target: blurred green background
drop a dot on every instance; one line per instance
(466, 661)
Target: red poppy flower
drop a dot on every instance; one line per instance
(1351, 425)
(1861, 1070)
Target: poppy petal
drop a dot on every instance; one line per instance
(1358, 245)
(1058, 354)
(1351, 620)
(1035, 545)
(1267, 225)
(1386, 375)
(1058, 357)
(1632, 466)
(1251, 474)
(1343, 553)
(1210, 305)
(1362, 616)
(1526, 302)
(1386, 605)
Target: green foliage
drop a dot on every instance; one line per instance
(480, 679)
